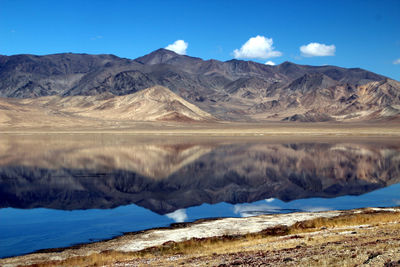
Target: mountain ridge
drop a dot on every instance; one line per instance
(233, 90)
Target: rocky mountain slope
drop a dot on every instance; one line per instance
(152, 104)
(233, 90)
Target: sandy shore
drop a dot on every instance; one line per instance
(245, 241)
(378, 129)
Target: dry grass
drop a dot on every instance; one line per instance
(368, 217)
(306, 233)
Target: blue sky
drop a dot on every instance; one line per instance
(362, 34)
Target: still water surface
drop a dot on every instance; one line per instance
(58, 191)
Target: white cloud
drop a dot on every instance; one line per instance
(397, 61)
(317, 50)
(257, 47)
(271, 63)
(179, 47)
(178, 215)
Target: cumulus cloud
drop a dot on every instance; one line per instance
(179, 47)
(257, 47)
(269, 62)
(178, 215)
(317, 50)
(397, 61)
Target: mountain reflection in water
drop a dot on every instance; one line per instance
(165, 176)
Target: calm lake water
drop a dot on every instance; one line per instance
(60, 190)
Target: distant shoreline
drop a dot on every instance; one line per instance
(223, 129)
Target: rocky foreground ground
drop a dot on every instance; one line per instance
(366, 237)
(345, 246)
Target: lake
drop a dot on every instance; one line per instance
(57, 190)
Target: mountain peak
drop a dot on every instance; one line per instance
(287, 64)
(157, 91)
(158, 56)
(164, 52)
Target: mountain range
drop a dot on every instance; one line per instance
(76, 86)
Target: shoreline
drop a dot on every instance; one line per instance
(222, 134)
(234, 129)
(153, 240)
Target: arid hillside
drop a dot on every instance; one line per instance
(153, 104)
(104, 87)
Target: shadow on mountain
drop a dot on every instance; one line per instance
(233, 90)
(167, 177)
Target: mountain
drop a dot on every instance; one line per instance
(67, 174)
(233, 90)
(152, 104)
(25, 76)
